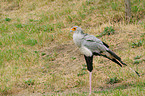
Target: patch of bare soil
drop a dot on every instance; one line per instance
(64, 59)
(65, 56)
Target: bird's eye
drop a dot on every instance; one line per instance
(74, 28)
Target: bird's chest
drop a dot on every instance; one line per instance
(77, 38)
(85, 51)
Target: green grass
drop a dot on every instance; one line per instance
(107, 31)
(137, 44)
(37, 55)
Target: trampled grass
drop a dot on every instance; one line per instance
(38, 56)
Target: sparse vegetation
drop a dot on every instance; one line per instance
(137, 61)
(137, 57)
(38, 57)
(31, 42)
(137, 44)
(73, 58)
(42, 54)
(7, 19)
(29, 82)
(107, 31)
(83, 71)
(113, 80)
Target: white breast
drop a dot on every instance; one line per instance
(84, 50)
(77, 38)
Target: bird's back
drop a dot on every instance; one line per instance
(94, 44)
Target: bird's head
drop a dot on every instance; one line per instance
(76, 29)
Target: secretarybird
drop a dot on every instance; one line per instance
(89, 46)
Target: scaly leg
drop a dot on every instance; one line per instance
(90, 77)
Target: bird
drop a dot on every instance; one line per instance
(91, 46)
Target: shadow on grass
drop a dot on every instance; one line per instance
(105, 91)
(125, 86)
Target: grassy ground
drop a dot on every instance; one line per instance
(38, 56)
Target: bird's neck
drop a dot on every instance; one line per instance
(77, 37)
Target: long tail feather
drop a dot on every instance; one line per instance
(114, 60)
(119, 59)
(130, 68)
(114, 55)
(123, 63)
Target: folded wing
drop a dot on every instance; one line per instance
(100, 48)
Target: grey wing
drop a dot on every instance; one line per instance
(94, 44)
(97, 46)
(101, 48)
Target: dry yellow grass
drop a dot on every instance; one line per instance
(38, 56)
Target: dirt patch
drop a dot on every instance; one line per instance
(67, 61)
(65, 56)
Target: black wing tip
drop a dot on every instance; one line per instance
(137, 73)
(114, 55)
(123, 63)
(106, 44)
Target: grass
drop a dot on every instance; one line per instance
(138, 44)
(107, 31)
(113, 80)
(37, 55)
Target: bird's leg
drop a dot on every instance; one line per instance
(89, 61)
(90, 78)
